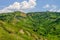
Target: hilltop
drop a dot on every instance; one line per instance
(30, 26)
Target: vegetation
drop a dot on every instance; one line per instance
(30, 26)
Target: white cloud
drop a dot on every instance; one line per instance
(27, 5)
(18, 6)
(15, 6)
(46, 6)
(51, 8)
(54, 6)
(58, 10)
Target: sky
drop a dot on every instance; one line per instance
(29, 5)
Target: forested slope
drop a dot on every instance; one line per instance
(30, 26)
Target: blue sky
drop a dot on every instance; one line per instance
(41, 5)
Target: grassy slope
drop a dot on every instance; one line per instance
(31, 26)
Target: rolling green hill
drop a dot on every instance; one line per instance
(30, 26)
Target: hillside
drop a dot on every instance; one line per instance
(30, 26)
